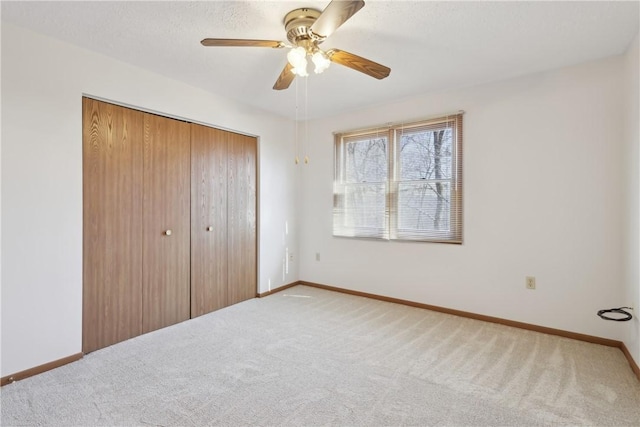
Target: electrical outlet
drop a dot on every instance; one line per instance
(530, 282)
(317, 256)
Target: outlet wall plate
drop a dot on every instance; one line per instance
(530, 282)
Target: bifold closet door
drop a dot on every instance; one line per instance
(241, 217)
(208, 219)
(112, 224)
(166, 229)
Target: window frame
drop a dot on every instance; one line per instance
(340, 142)
(394, 133)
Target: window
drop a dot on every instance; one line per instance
(400, 182)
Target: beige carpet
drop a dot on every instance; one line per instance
(306, 356)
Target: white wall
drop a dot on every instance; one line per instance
(43, 81)
(542, 196)
(526, 211)
(632, 178)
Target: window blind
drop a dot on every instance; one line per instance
(426, 184)
(361, 207)
(400, 182)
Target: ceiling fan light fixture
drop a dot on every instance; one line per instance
(301, 70)
(297, 57)
(307, 28)
(321, 61)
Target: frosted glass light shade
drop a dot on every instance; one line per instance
(301, 70)
(297, 57)
(321, 61)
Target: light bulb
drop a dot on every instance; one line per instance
(296, 56)
(301, 70)
(321, 61)
(298, 59)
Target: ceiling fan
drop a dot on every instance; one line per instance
(306, 29)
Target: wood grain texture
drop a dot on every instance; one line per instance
(359, 63)
(242, 217)
(285, 78)
(112, 224)
(166, 206)
(242, 43)
(208, 210)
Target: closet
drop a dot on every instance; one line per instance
(169, 211)
(209, 255)
(165, 223)
(112, 224)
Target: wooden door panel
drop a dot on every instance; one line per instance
(242, 217)
(165, 291)
(112, 224)
(208, 219)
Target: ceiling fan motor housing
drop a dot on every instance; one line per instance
(297, 23)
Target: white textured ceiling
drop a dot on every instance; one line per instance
(429, 45)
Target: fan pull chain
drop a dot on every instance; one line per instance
(306, 120)
(295, 138)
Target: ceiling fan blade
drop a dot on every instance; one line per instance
(242, 43)
(285, 78)
(359, 63)
(333, 16)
